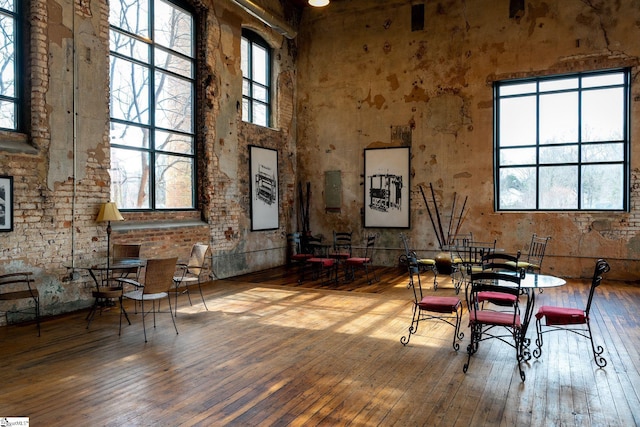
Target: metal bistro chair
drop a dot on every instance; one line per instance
(424, 264)
(296, 255)
(19, 286)
(499, 262)
(470, 259)
(491, 324)
(575, 320)
(364, 262)
(446, 309)
(532, 261)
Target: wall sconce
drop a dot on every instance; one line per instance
(318, 3)
(109, 212)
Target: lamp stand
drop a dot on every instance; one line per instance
(108, 245)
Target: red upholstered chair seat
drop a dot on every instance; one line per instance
(325, 262)
(497, 298)
(561, 315)
(301, 257)
(357, 261)
(497, 318)
(340, 255)
(440, 304)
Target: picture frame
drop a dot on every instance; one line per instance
(264, 188)
(6, 203)
(386, 187)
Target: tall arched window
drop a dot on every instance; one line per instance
(152, 80)
(256, 79)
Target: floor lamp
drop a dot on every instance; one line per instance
(109, 212)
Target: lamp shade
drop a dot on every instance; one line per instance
(318, 3)
(109, 212)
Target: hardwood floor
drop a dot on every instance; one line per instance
(272, 352)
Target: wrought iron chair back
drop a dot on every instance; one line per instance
(571, 319)
(446, 309)
(505, 326)
(20, 286)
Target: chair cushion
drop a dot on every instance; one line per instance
(524, 264)
(357, 261)
(340, 255)
(440, 304)
(498, 298)
(427, 261)
(139, 296)
(301, 257)
(325, 262)
(561, 315)
(489, 317)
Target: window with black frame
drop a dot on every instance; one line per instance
(256, 75)
(10, 57)
(562, 142)
(152, 82)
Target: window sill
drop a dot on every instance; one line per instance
(149, 225)
(13, 142)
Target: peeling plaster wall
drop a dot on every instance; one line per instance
(362, 70)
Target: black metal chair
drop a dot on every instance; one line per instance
(490, 324)
(501, 263)
(20, 286)
(364, 262)
(532, 260)
(442, 308)
(575, 320)
(424, 264)
(469, 258)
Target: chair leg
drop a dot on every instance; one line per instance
(597, 351)
(144, 327)
(201, 296)
(172, 318)
(37, 301)
(537, 352)
(412, 330)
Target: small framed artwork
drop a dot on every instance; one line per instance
(264, 188)
(6, 203)
(386, 187)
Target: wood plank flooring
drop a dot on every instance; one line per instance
(271, 351)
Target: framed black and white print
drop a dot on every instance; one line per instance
(264, 188)
(386, 187)
(6, 203)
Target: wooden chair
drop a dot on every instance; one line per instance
(123, 253)
(191, 273)
(445, 309)
(364, 262)
(575, 320)
(158, 280)
(491, 324)
(425, 264)
(20, 286)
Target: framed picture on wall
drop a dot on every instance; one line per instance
(386, 187)
(6, 203)
(264, 188)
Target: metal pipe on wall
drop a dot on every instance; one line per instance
(275, 22)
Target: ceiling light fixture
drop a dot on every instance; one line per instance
(318, 3)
